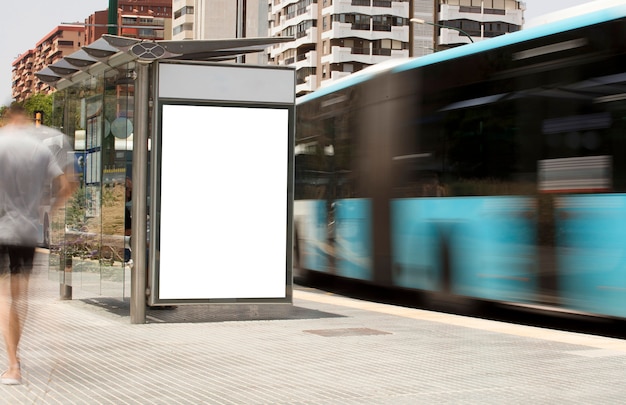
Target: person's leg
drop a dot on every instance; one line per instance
(11, 327)
(15, 306)
(5, 316)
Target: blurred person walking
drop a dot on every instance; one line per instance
(26, 165)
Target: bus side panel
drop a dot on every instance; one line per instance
(473, 246)
(414, 243)
(310, 218)
(353, 238)
(591, 253)
(499, 238)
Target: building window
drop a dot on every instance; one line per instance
(466, 9)
(385, 46)
(303, 27)
(303, 74)
(470, 27)
(183, 11)
(291, 11)
(358, 21)
(303, 4)
(183, 27)
(494, 11)
(494, 29)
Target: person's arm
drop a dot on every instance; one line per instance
(64, 192)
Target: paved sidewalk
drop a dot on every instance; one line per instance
(324, 349)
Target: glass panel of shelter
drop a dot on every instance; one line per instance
(88, 238)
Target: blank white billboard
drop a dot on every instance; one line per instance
(223, 202)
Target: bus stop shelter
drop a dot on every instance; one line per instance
(183, 161)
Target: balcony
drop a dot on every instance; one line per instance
(310, 37)
(338, 75)
(362, 55)
(280, 4)
(378, 7)
(309, 85)
(449, 36)
(64, 44)
(396, 33)
(298, 17)
(187, 18)
(308, 59)
(347, 30)
(457, 13)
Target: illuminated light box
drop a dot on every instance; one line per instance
(222, 187)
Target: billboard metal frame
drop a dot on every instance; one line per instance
(215, 88)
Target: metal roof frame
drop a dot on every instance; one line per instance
(111, 51)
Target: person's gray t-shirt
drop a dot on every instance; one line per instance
(26, 164)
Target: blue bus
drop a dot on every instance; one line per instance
(492, 171)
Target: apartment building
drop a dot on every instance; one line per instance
(144, 19)
(221, 19)
(478, 19)
(23, 76)
(183, 19)
(424, 35)
(334, 38)
(96, 26)
(61, 41)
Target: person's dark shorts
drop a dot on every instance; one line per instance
(20, 259)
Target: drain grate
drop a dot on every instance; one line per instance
(346, 332)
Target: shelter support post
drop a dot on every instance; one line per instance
(139, 195)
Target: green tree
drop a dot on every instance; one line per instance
(3, 110)
(40, 102)
(37, 102)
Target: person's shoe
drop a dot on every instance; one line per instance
(11, 380)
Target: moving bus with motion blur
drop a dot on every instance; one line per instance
(492, 171)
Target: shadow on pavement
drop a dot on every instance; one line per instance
(212, 313)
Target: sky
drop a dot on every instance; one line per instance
(22, 25)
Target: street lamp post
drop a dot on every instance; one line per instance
(424, 22)
(112, 18)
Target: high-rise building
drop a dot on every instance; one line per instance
(183, 19)
(478, 19)
(334, 38)
(221, 19)
(423, 34)
(143, 19)
(61, 41)
(96, 26)
(23, 76)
